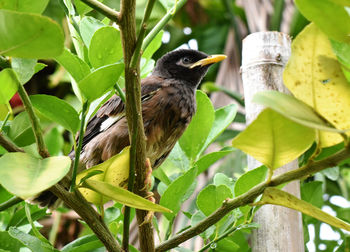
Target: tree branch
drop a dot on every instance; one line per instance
(103, 9)
(9, 146)
(34, 121)
(77, 202)
(134, 117)
(251, 195)
(134, 64)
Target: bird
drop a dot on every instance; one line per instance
(168, 105)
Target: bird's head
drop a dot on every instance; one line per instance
(185, 65)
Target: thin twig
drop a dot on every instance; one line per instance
(137, 53)
(80, 143)
(5, 121)
(103, 9)
(34, 121)
(120, 92)
(9, 203)
(8, 145)
(224, 235)
(160, 25)
(251, 195)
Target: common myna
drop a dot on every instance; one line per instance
(168, 105)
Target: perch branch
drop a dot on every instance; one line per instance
(251, 195)
(135, 122)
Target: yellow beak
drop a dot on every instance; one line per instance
(209, 60)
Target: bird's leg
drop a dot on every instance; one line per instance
(147, 187)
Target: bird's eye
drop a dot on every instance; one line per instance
(186, 60)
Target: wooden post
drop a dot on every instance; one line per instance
(263, 59)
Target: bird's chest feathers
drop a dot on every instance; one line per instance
(166, 116)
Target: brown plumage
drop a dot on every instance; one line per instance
(168, 105)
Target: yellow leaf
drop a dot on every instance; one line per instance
(275, 196)
(124, 196)
(314, 76)
(274, 140)
(115, 172)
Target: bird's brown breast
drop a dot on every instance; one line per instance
(166, 116)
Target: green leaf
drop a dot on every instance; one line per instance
(123, 196)
(76, 67)
(312, 192)
(331, 173)
(84, 243)
(32, 6)
(294, 109)
(177, 191)
(193, 139)
(54, 141)
(8, 243)
(30, 241)
(105, 47)
(222, 179)
(88, 26)
(8, 82)
(146, 67)
(57, 110)
(21, 132)
(207, 160)
(153, 46)
(19, 217)
(213, 194)
(177, 162)
(31, 36)
(331, 18)
(226, 245)
(36, 175)
(38, 67)
(223, 118)
(278, 197)
(82, 8)
(274, 140)
(342, 50)
(247, 181)
(24, 68)
(344, 213)
(100, 81)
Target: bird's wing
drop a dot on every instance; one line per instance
(114, 109)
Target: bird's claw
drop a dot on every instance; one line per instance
(148, 179)
(148, 218)
(149, 195)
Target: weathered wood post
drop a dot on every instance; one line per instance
(263, 59)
